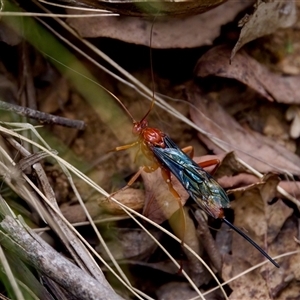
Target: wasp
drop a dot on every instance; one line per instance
(162, 152)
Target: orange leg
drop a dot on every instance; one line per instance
(130, 182)
(124, 147)
(190, 151)
(209, 163)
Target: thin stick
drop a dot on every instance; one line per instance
(30, 247)
(41, 116)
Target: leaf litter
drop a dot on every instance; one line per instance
(272, 224)
(168, 32)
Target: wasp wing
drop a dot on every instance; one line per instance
(200, 185)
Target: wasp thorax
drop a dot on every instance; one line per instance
(153, 137)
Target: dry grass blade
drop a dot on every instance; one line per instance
(10, 276)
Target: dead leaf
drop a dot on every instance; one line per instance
(224, 240)
(140, 8)
(268, 17)
(243, 179)
(160, 204)
(51, 99)
(269, 282)
(196, 270)
(207, 240)
(185, 32)
(229, 166)
(292, 187)
(8, 35)
(258, 220)
(249, 286)
(283, 89)
(256, 198)
(261, 222)
(265, 154)
(132, 198)
(75, 213)
(130, 244)
(175, 291)
(229, 182)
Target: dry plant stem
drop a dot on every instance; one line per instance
(32, 159)
(208, 242)
(41, 116)
(10, 276)
(56, 290)
(38, 253)
(80, 255)
(27, 88)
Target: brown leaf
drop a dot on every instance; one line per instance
(75, 213)
(160, 204)
(132, 198)
(130, 244)
(262, 222)
(175, 291)
(243, 179)
(207, 240)
(167, 33)
(266, 282)
(259, 220)
(229, 165)
(268, 155)
(8, 35)
(268, 17)
(283, 89)
(196, 270)
(292, 187)
(265, 190)
(140, 8)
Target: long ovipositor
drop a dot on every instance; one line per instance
(199, 184)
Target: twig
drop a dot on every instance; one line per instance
(75, 247)
(38, 253)
(42, 116)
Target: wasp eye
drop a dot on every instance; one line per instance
(144, 124)
(136, 129)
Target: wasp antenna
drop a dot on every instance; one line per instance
(246, 237)
(119, 101)
(151, 69)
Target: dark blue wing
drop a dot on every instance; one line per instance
(200, 185)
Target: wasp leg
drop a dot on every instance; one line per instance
(189, 150)
(124, 147)
(209, 163)
(129, 183)
(166, 174)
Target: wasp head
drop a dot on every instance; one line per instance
(139, 126)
